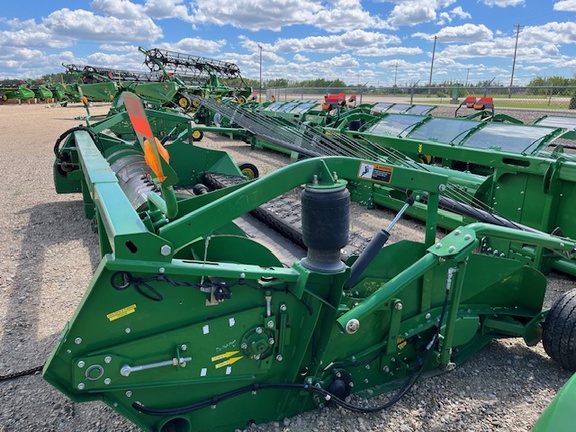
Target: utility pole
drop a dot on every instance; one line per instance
(396, 74)
(432, 65)
(260, 90)
(518, 28)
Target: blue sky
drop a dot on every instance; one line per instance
(377, 42)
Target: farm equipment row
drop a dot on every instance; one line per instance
(190, 325)
(171, 81)
(499, 171)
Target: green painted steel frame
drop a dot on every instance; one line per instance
(154, 334)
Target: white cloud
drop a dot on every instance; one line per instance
(565, 5)
(502, 3)
(333, 16)
(81, 24)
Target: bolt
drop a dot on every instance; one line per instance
(80, 386)
(428, 315)
(259, 330)
(352, 326)
(161, 270)
(129, 393)
(368, 367)
(398, 306)
(81, 364)
(279, 357)
(270, 324)
(351, 384)
(257, 357)
(244, 346)
(128, 330)
(366, 381)
(338, 374)
(442, 187)
(467, 237)
(183, 347)
(495, 251)
(438, 245)
(283, 307)
(457, 232)
(107, 359)
(78, 341)
(271, 341)
(386, 369)
(107, 381)
(165, 250)
(451, 248)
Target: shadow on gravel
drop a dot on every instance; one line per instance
(47, 266)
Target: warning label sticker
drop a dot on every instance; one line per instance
(375, 172)
(121, 313)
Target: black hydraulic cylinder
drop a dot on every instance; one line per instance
(375, 245)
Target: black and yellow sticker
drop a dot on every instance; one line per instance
(375, 172)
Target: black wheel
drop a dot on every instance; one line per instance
(4, 97)
(249, 170)
(197, 135)
(559, 336)
(241, 99)
(184, 102)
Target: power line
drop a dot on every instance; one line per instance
(518, 28)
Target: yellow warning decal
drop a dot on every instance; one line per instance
(375, 172)
(225, 355)
(121, 313)
(228, 362)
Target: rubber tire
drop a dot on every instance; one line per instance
(559, 336)
(249, 170)
(184, 102)
(241, 99)
(197, 135)
(4, 97)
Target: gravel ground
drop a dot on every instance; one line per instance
(48, 253)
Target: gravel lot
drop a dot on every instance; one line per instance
(48, 253)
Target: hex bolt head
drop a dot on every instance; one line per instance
(78, 341)
(271, 341)
(183, 347)
(165, 250)
(283, 307)
(451, 248)
(398, 306)
(80, 386)
(467, 237)
(427, 316)
(81, 364)
(259, 330)
(352, 326)
(438, 245)
(279, 357)
(129, 393)
(107, 359)
(270, 324)
(244, 346)
(257, 357)
(107, 381)
(128, 330)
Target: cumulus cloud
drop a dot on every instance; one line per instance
(565, 5)
(334, 16)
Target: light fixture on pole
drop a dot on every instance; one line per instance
(260, 90)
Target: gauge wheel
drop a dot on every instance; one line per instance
(249, 170)
(197, 135)
(184, 102)
(559, 332)
(4, 97)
